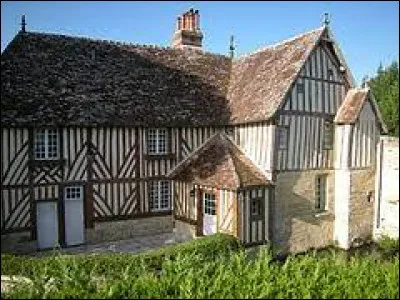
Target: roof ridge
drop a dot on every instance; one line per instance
(263, 48)
(121, 43)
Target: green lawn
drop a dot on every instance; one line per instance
(212, 267)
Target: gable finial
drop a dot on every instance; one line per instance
(23, 24)
(326, 19)
(231, 47)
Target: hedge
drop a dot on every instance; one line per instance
(207, 248)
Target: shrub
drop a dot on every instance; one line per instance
(389, 247)
(208, 247)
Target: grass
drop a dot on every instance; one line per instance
(219, 272)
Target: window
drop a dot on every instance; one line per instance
(300, 88)
(157, 141)
(192, 197)
(209, 204)
(328, 135)
(320, 193)
(46, 144)
(73, 193)
(330, 74)
(283, 137)
(159, 194)
(256, 207)
(229, 131)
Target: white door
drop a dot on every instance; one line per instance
(46, 224)
(74, 223)
(209, 214)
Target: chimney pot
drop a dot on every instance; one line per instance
(187, 32)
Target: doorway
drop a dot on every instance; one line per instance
(209, 214)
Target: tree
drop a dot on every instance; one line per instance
(385, 87)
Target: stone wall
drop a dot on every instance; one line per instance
(185, 228)
(17, 242)
(387, 189)
(362, 182)
(118, 230)
(296, 226)
(20, 242)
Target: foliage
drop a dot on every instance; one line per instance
(113, 265)
(317, 274)
(389, 247)
(385, 87)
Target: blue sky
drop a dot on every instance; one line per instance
(367, 32)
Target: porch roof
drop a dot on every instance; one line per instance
(219, 162)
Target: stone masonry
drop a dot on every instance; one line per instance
(361, 207)
(119, 230)
(295, 224)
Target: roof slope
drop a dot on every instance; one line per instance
(56, 79)
(260, 81)
(352, 105)
(219, 162)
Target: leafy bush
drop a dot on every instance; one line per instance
(208, 268)
(389, 247)
(208, 247)
(235, 276)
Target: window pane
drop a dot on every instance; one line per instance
(320, 193)
(328, 135)
(283, 137)
(165, 195)
(40, 147)
(152, 141)
(153, 193)
(46, 143)
(162, 141)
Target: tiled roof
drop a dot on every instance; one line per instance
(352, 105)
(260, 81)
(56, 79)
(219, 163)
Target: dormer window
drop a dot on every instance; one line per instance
(157, 141)
(46, 144)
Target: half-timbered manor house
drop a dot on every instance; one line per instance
(103, 140)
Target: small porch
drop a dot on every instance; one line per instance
(218, 189)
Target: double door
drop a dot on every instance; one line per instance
(49, 218)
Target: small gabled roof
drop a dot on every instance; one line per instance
(352, 105)
(219, 163)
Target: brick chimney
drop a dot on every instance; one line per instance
(187, 31)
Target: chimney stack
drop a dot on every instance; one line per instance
(187, 30)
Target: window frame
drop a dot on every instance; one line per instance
(209, 210)
(71, 191)
(300, 87)
(156, 142)
(320, 206)
(259, 214)
(156, 196)
(331, 136)
(330, 74)
(50, 135)
(286, 129)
